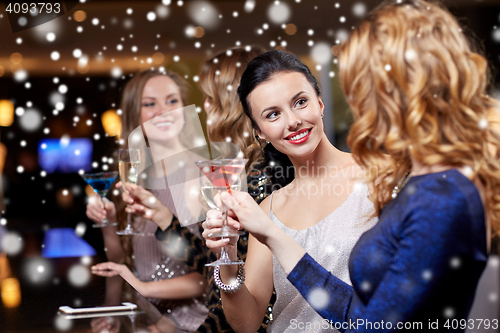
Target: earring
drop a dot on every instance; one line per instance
(322, 115)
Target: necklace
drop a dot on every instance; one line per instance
(400, 185)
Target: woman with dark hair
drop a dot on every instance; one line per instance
(418, 95)
(219, 77)
(326, 203)
(155, 100)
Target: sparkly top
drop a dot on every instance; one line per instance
(330, 242)
(155, 261)
(420, 263)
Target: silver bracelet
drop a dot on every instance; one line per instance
(230, 288)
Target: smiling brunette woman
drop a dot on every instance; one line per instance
(325, 208)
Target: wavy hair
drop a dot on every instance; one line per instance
(219, 78)
(131, 104)
(414, 84)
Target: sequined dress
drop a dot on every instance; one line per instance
(419, 265)
(155, 261)
(330, 242)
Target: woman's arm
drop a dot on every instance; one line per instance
(256, 221)
(440, 255)
(98, 210)
(186, 286)
(112, 245)
(245, 309)
(143, 203)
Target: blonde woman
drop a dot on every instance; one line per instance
(155, 100)
(418, 95)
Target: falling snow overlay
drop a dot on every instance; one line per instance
(61, 82)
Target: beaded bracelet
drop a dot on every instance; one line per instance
(230, 288)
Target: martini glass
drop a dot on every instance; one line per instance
(217, 176)
(128, 165)
(101, 183)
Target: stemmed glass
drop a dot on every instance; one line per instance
(217, 176)
(101, 183)
(128, 165)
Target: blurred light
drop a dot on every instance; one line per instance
(79, 275)
(151, 16)
(20, 75)
(249, 6)
(278, 12)
(162, 11)
(77, 53)
(189, 31)
(116, 72)
(38, 270)
(6, 112)
(198, 32)
(291, 29)
(12, 243)
(79, 16)
(16, 58)
(359, 9)
(55, 56)
(111, 123)
(51, 37)
(63, 88)
(321, 53)
(42, 30)
(203, 13)
(65, 243)
(64, 198)
(11, 293)
(158, 58)
(63, 324)
(80, 229)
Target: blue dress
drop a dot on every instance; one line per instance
(419, 266)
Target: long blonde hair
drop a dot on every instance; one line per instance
(414, 84)
(131, 104)
(219, 79)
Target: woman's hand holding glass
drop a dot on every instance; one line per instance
(144, 204)
(99, 210)
(213, 224)
(243, 209)
(243, 213)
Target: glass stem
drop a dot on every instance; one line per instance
(129, 220)
(103, 196)
(225, 225)
(223, 253)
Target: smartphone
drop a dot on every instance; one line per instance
(125, 307)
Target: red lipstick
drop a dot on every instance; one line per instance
(302, 139)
